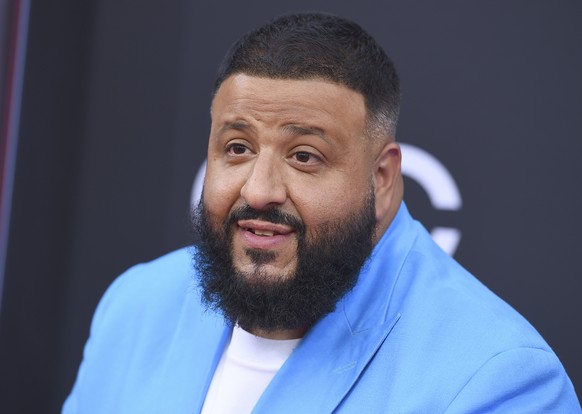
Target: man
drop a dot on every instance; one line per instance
(312, 290)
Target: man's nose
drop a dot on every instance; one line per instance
(264, 185)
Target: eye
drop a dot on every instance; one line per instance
(236, 149)
(304, 157)
(307, 160)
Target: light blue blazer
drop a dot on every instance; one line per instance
(418, 334)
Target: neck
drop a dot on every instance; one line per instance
(280, 334)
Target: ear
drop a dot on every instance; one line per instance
(387, 180)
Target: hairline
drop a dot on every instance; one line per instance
(379, 126)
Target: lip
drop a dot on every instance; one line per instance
(281, 234)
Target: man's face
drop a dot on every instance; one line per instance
(296, 148)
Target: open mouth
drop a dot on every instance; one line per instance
(265, 235)
(265, 229)
(262, 233)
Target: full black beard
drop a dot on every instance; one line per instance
(328, 265)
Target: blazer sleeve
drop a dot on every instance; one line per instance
(101, 313)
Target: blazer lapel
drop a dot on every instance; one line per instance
(330, 359)
(323, 369)
(195, 350)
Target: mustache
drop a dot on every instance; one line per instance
(272, 215)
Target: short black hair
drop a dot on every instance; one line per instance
(317, 45)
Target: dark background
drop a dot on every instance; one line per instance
(114, 125)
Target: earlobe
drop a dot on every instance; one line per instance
(387, 181)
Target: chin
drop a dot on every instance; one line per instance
(267, 274)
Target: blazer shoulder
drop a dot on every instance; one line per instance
(533, 380)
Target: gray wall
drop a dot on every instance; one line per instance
(114, 128)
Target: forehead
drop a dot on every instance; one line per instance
(271, 102)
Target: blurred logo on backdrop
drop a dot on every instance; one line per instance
(440, 187)
(420, 166)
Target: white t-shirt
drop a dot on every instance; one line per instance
(245, 369)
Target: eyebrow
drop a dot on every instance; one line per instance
(291, 129)
(238, 125)
(299, 130)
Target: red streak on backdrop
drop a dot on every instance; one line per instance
(7, 109)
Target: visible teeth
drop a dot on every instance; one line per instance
(265, 233)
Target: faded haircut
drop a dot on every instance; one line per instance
(321, 46)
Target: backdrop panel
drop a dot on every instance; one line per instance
(114, 128)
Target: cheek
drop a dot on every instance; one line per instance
(221, 191)
(332, 201)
